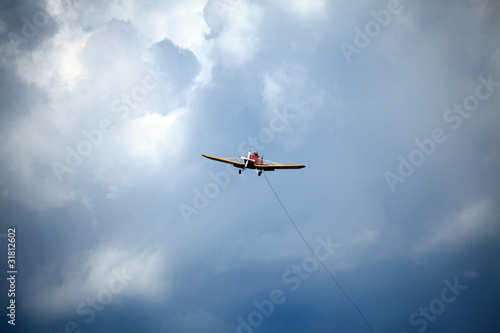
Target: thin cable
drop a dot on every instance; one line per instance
(314, 254)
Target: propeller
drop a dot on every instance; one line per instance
(248, 158)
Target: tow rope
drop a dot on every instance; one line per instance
(314, 254)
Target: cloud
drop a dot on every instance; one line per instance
(147, 138)
(179, 66)
(304, 8)
(140, 89)
(471, 224)
(196, 321)
(27, 151)
(234, 29)
(78, 88)
(97, 274)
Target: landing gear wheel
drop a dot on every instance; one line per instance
(239, 171)
(260, 172)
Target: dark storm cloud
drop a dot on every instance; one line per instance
(25, 25)
(226, 71)
(180, 65)
(17, 96)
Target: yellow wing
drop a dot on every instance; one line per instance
(225, 160)
(271, 167)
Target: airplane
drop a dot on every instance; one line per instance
(253, 161)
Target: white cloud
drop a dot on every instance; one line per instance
(305, 8)
(147, 138)
(357, 250)
(27, 151)
(60, 58)
(290, 90)
(78, 75)
(291, 87)
(187, 28)
(470, 224)
(106, 270)
(235, 30)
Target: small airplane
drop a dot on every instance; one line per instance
(253, 161)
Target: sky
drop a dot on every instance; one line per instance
(120, 225)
